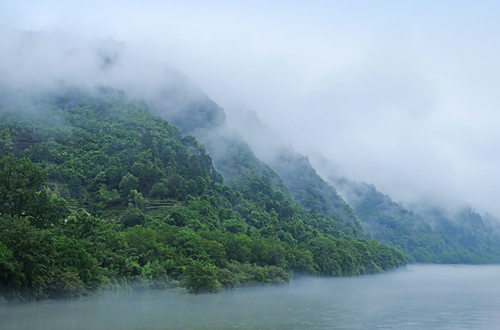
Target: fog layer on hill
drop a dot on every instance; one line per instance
(400, 94)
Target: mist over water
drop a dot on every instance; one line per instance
(419, 297)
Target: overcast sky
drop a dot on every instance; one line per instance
(401, 94)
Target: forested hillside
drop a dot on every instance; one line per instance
(300, 185)
(313, 193)
(432, 235)
(288, 172)
(98, 193)
(428, 234)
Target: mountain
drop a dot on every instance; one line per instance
(98, 193)
(286, 170)
(431, 234)
(155, 186)
(427, 234)
(313, 193)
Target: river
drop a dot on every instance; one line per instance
(419, 297)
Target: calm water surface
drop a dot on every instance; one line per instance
(421, 297)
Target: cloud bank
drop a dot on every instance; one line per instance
(398, 94)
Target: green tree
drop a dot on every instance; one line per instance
(136, 200)
(133, 217)
(158, 191)
(75, 187)
(19, 180)
(128, 183)
(200, 277)
(22, 193)
(32, 249)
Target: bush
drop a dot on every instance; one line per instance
(158, 191)
(132, 218)
(200, 277)
(66, 285)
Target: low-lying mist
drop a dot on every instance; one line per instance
(420, 297)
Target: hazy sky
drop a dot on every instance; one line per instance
(401, 94)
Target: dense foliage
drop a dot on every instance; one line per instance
(96, 192)
(302, 191)
(313, 193)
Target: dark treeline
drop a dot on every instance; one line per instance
(97, 193)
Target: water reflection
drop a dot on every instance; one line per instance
(421, 297)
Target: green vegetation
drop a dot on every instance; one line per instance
(460, 237)
(302, 193)
(97, 193)
(313, 193)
